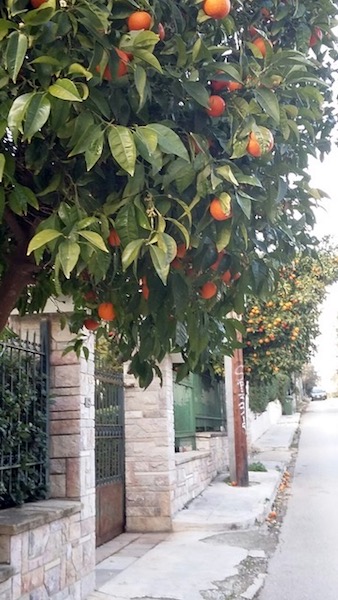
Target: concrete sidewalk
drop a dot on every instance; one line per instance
(194, 557)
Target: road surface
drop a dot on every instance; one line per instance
(305, 564)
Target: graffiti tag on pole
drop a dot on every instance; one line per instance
(239, 382)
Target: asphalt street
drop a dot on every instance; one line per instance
(304, 566)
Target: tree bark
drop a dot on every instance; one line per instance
(20, 271)
(19, 274)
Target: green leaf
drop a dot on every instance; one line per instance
(228, 70)
(148, 137)
(2, 165)
(182, 229)
(140, 78)
(126, 224)
(226, 172)
(15, 53)
(68, 253)
(269, 102)
(2, 202)
(197, 91)
(37, 114)
(244, 202)
(168, 245)
(42, 239)
(95, 239)
(77, 69)
(94, 150)
(17, 112)
(223, 235)
(41, 15)
(131, 253)
(122, 147)
(65, 89)
(168, 141)
(159, 260)
(47, 60)
(248, 179)
(19, 199)
(148, 57)
(52, 186)
(5, 26)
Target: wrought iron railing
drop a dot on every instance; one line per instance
(24, 381)
(109, 420)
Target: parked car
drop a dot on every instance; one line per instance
(318, 393)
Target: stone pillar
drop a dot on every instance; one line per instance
(150, 452)
(72, 451)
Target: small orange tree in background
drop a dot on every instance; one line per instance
(281, 331)
(132, 117)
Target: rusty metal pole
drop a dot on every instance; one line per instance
(239, 419)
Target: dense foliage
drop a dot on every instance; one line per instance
(282, 331)
(116, 141)
(261, 392)
(23, 425)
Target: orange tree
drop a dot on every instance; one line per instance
(281, 331)
(149, 148)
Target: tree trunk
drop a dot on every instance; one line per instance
(21, 269)
(19, 274)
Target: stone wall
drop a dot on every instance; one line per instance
(149, 452)
(54, 555)
(159, 482)
(196, 469)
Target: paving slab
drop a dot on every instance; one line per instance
(180, 568)
(188, 563)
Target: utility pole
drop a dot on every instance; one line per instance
(236, 418)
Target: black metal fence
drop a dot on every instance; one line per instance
(24, 419)
(109, 438)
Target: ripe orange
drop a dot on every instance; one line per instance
(226, 277)
(176, 264)
(217, 86)
(231, 86)
(316, 36)
(140, 19)
(216, 264)
(253, 146)
(90, 296)
(121, 68)
(37, 3)
(114, 238)
(161, 32)
(217, 9)
(265, 13)
(106, 311)
(145, 289)
(208, 290)
(261, 44)
(217, 106)
(217, 212)
(252, 30)
(181, 250)
(91, 324)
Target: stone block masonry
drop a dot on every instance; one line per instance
(50, 545)
(150, 452)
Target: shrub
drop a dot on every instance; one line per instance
(23, 426)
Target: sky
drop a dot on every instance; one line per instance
(325, 176)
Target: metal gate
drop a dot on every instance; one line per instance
(109, 454)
